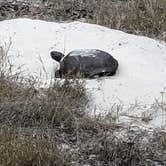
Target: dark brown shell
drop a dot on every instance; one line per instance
(87, 63)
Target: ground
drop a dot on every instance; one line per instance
(116, 120)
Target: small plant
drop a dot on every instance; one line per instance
(146, 119)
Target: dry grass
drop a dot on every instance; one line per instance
(145, 17)
(24, 105)
(17, 149)
(26, 111)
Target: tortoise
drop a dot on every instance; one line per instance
(85, 63)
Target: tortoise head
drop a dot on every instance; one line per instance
(56, 55)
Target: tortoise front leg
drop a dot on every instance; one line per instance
(58, 74)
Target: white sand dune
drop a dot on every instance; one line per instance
(142, 61)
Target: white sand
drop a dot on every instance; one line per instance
(142, 61)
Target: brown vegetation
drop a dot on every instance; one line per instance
(145, 17)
